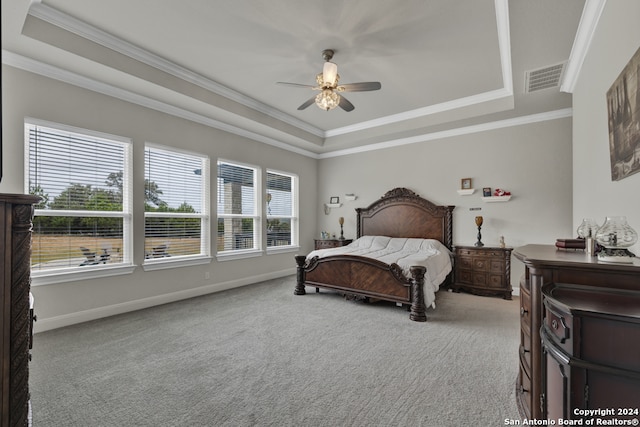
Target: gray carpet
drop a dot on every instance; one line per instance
(260, 356)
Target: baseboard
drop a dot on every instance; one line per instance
(56, 322)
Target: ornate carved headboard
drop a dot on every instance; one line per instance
(403, 213)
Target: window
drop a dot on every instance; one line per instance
(176, 205)
(238, 218)
(84, 178)
(282, 210)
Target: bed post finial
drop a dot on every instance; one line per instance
(418, 308)
(300, 261)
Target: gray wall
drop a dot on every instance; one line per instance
(29, 95)
(532, 161)
(616, 39)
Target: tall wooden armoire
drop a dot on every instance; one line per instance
(16, 214)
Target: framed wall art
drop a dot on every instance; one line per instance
(623, 107)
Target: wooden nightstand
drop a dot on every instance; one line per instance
(483, 270)
(331, 243)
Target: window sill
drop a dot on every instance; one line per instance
(282, 249)
(75, 274)
(173, 262)
(228, 256)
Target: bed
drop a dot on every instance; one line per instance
(400, 214)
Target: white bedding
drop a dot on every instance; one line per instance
(428, 253)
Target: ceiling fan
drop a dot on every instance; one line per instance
(327, 80)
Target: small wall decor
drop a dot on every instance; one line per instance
(623, 106)
(486, 192)
(334, 200)
(465, 184)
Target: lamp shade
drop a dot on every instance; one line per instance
(329, 73)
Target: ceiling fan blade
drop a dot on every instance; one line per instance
(296, 85)
(307, 103)
(361, 87)
(345, 104)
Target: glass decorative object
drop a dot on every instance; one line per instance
(616, 236)
(588, 228)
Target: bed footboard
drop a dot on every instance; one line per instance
(364, 277)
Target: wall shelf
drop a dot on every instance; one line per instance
(492, 199)
(466, 191)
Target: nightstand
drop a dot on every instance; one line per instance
(483, 270)
(331, 243)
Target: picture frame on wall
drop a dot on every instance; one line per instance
(486, 192)
(465, 184)
(623, 107)
(334, 200)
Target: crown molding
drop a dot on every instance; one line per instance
(89, 32)
(424, 111)
(484, 127)
(37, 67)
(586, 29)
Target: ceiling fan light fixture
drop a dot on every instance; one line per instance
(327, 100)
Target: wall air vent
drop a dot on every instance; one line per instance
(543, 78)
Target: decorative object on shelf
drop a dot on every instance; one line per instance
(465, 184)
(616, 236)
(479, 224)
(502, 244)
(501, 193)
(341, 222)
(486, 192)
(350, 197)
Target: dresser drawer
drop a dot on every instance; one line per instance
(525, 308)
(525, 350)
(558, 326)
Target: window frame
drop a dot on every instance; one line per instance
(204, 257)
(294, 217)
(256, 216)
(67, 274)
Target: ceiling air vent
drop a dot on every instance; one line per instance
(543, 78)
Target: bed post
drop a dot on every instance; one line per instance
(300, 260)
(418, 309)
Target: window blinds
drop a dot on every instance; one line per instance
(176, 203)
(237, 207)
(82, 179)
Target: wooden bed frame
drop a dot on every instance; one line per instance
(399, 213)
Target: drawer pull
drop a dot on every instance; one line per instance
(523, 351)
(554, 324)
(523, 311)
(523, 390)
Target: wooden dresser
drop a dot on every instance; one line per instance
(483, 270)
(576, 285)
(16, 213)
(591, 351)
